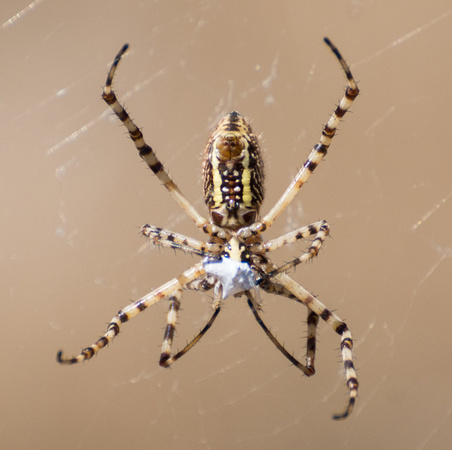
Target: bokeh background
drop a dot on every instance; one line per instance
(74, 194)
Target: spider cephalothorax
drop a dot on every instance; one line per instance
(235, 260)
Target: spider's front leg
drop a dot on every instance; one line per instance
(312, 320)
(131, 311)
(308, 369)
(202, 284)
(174, 305)
(338, 326)
(166, 359)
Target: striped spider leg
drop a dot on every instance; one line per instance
(148, 155)
(320, 229)
(169, 239)
(179, 242)
(124, 315)
(340, 327)
(317, 153)
(235, 261)
(278, 281)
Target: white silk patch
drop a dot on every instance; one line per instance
(234, 276)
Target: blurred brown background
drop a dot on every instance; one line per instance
(74, 194)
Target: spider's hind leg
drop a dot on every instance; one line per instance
(146, 152)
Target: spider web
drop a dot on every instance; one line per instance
(75, 195)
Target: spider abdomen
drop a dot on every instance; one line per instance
(233, 174)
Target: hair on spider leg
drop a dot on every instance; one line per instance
(235, 252)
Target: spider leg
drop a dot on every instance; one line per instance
(312, 251)
(308, 371)
(293, 236)
(132, 310)
(338, 326)
(174, 305)
(169, 239)
(312, 321)
(201, 284)
(317, 153)
(146, 151)
(320, 229)
(168, 360)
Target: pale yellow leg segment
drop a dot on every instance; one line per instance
(338, 326)
(317, 153)
(131, 311)
(174, 305)
(146, 151)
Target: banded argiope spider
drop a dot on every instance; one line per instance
(234, 255)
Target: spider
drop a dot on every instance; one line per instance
(234, 257)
